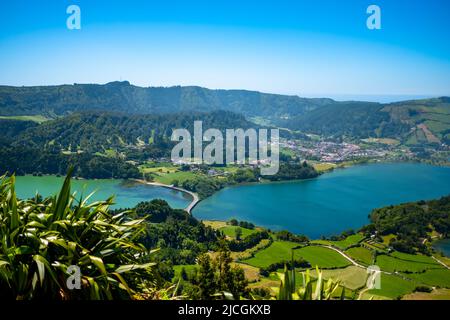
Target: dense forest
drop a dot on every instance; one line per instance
(97, 144)
(124, 97)
(355, 119)
(412, 223)
(363, 119)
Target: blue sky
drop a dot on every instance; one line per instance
(308, 48)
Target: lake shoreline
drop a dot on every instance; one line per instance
(369, 185)
(195, 197)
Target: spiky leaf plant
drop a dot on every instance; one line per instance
(41, 239)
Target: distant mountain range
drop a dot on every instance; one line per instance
(411, 122)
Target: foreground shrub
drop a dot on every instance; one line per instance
(42, 239)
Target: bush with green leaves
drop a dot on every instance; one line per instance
(41, 238)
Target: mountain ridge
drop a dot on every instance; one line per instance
(411, 121)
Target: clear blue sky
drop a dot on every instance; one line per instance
(293, 47)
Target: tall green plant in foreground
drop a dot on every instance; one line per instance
(323, 290)
(40, 239)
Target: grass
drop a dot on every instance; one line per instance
(403, 262)
(361, 254)
(437, 294)
(215, 224)
(433, 277)
(351, 277)
(276, 252)
(230, 231)
(281, 250)
(349, 241)
(342, 244)
(322, 257)
(387, 239)
(169, 178)
(323, 166)
(188, 267)
(382, 141)
(322, 242)
(247, 254)
(393, 287)
(36, 118)
(376, 247)
(251, 273)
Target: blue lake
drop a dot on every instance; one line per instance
(444, 246)
(330, 204)
(126, 194)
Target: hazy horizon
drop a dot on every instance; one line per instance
(380, 98)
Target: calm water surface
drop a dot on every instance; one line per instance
(330, 204)
(127, 194)
(444, 246)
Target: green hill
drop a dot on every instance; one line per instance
(124, 97)
(414, 122)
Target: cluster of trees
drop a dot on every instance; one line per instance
(343, 235)
(411, 223)
(248, 242)
(31, 160)
(242, 224)
(289, 236)
(290, 264)
(203, 186)
(294, 171)
(215, 278)
(179, 236)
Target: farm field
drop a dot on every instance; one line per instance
(349, 241)
(402, 262)
(322, 257)
(342, 244)
(230, 231)
(351, 277)
(281, 250)
(436, 294)
(392, 287)
(361, 254)
(169, 178)
(276, 252)
(432, 277)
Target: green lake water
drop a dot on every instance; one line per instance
(330, 204)
(127, 194)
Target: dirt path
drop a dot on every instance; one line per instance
(439, 261)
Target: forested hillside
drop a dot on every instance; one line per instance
(98, 144)
(412, 223)
(98, 131)
(123, 97)
(412, 122)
